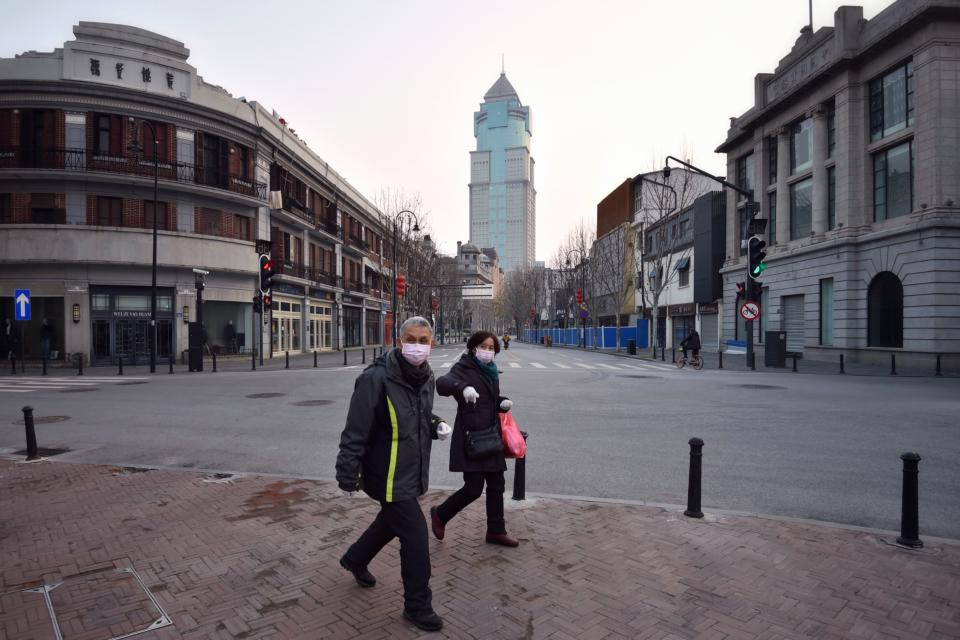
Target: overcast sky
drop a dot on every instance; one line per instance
(385, 91)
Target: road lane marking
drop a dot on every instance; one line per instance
(561, 365)
(585, 366)
(537, 365)
(514, 365)
(606, 366)
(446, 364)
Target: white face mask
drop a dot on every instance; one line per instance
(484, 356)
(415, 354)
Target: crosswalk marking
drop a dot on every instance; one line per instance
(537, 365)
(606, 366)
(585, 366)
(561, 365)
(33, 383)
(446, 364)
(515, 365)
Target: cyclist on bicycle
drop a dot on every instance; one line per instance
(691, 342)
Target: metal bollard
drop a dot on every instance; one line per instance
(120, 366)
(938, 366)
(253, 359)
(80, 364)
(794, 363)
(363, 355)
(13, 365)
(893, 364)
(663, 353)
(673, 354)
(170, 360)
(344, 357)
(694, 483)
(752, 359)
(287, 356)
(520, 475)
(314, 359)
(910, 510)
(720, 354)
(214, 362)
(31, 434)
(44, 365)
(841, 364)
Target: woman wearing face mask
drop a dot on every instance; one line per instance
(473, 381)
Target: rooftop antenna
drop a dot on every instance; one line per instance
(811, 16)
(503, 64)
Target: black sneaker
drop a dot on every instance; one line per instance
(363, 577)
(426, 620)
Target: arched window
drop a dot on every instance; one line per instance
(885, 311)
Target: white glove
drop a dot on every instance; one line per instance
(470, 395)
(506, 405)
(444, 430)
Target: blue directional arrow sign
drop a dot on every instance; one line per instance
(21, 304)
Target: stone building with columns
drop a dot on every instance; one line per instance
(77, 209)
(852, 149)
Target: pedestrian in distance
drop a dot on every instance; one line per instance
(46, 338)
(474, 382)
(385, 452)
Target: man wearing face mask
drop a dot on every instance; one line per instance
(385, 451)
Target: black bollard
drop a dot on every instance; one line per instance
(253, 359)
(663, 353)
(344, 357)
(79, 364)
(171, 363)
(214, 362)
(673, 354)
(120, 366)
(794, 363)
(44, 365)
(893, 364)
(520, 475)
(287, 356)
(938, 365)
(752, 359)
(13, 365)
(841, 364)
(694, 485)
(720, 354)
(314, 359)
(31, 434)
(910, 511)
(363, 356)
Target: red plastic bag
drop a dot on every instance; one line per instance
(514, 446)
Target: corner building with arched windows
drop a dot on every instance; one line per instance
(852, 150)
(77, 209)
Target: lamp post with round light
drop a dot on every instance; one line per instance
(398, 220)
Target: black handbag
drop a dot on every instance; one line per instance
(483, 443)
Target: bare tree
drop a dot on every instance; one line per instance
(661, 240)
(613, 263)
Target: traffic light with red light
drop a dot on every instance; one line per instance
(266, 274)
(579, 296)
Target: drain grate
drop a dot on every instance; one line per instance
(45, 419)
(757, 386)
(80, 390)
(266, 395)
(127, 384)
(642, 377)
(44, 452)
(312, 403)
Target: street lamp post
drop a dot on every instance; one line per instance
(580, 265)
(397, 222)
(136, 147)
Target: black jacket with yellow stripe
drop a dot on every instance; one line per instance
(385, 445)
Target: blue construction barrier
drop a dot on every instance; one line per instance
(599, 337)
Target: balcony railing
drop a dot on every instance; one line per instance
(82, 160)
(330, 226)
(358, 287)
(358, 243)
(294, 269)
(297, 270)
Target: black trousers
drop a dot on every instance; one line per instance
(472, 488)
(402, 520)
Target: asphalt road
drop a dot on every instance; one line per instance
(824, 447)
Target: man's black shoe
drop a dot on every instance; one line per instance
(363, 577)
(426, 620)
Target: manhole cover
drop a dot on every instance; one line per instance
(757, 386)
(127, 384)
(221, 478)
(45, 419)
(79, 390)
(43, 452)
(312, 403)
(642, 377)
(266, 395)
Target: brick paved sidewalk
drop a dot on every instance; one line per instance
(256, 557)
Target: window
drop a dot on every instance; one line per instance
(244, 163)
(801, 142)
(161, 215)
(43, 209)
(893, 182)
(885, 311)
(287, 257)
(147, 140)
(745, 173)
(831, 127)
(109, 212)
(210, 222)
(801, 209)
(832, 198)
(102, 139)
(772, 217)
(826, 311)
(891, 102)
(100, 302)
(684, 275)
(771, 159)
(244, 228)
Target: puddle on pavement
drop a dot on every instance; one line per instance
(278, 501)
(312, 403)
(266, 395)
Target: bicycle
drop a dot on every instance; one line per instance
(696, 361)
